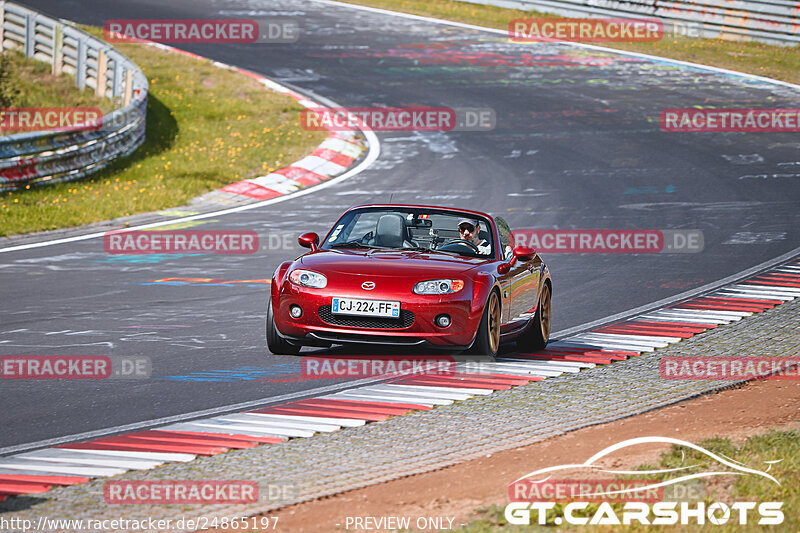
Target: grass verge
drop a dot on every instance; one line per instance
(781, 446)
(26, 82)
(206, 127)
(781, 63)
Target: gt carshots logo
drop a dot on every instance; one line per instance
(540, 485)
(159, 242)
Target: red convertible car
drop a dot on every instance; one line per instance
(398, 275)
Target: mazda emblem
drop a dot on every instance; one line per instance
(368, 285)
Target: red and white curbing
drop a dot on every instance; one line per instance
(68, 464)
(330, 159)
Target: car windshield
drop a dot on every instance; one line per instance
(413, 229)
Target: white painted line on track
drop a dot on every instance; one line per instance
(767, 295)
(60, 468)
(429, 397)
(535, 366)
(131, 464)
(343, 422)
(172, 457)
(673, 318)
(556, 363)
(252, 429)
(394, 398)
(647, 340)
(525, 369)
(279, 428)
(473, 391)
(697, 314)
(746, 295)
(772, 288)
(712, 312)
(261, 420)
(596, 344)
(424, 391)
(221, 430)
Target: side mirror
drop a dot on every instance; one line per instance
(309, 240)
(524, 253)
(521, 253)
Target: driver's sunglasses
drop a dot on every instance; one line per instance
(466, 227)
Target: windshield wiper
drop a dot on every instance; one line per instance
(352, 244)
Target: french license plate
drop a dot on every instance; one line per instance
(359, 307)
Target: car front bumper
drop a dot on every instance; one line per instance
(318, 326)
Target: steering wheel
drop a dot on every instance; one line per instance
(461, 241)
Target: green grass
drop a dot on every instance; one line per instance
(782, 446)
(782, 63)
(206, 127)
(29, 83)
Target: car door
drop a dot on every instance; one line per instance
(520, 286)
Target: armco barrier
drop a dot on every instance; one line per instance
(50, 156)
(770, 21)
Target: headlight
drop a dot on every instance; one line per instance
(306, 278)
(438, 286)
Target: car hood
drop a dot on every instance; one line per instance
(390, 263)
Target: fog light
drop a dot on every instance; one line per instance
(442, 321)
(295, 311)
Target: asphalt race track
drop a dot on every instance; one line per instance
(577, 144)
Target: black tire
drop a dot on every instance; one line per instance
(487, 340)
(275, 342)
(538, 333)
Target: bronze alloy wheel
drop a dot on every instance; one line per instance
(494, 322)
(544, 313)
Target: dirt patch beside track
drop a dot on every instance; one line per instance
(458, 490)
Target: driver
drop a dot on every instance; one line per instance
(469, 229)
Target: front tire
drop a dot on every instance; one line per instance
(487, 340)
(277, 344)
(538, 335)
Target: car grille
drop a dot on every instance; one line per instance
(405, 321)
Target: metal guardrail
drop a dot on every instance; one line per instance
(42, 157)
(770, 21)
